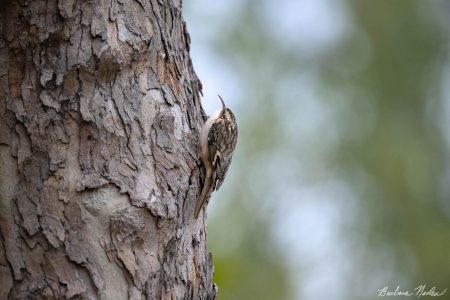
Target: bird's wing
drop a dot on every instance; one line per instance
(221, 153)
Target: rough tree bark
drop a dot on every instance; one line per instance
(99, 170)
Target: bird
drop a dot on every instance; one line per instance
(218, 138)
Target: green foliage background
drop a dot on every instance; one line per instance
(340, 184)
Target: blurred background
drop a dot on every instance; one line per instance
(340, 183)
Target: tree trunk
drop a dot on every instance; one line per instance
(99, 170)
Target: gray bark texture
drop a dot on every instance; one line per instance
(99, 170)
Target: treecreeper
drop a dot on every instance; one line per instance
(218, 138)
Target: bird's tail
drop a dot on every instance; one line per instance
(201, 201)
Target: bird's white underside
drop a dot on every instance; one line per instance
(204, 154)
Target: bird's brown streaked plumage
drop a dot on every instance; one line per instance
(218, 139)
